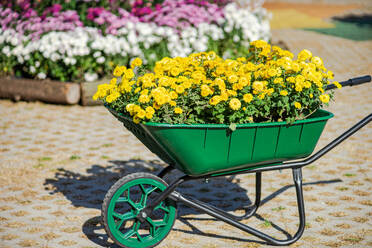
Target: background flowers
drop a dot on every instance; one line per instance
(82, 43)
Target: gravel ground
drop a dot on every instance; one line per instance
(57, 162)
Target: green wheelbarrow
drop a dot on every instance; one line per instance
(139, 210)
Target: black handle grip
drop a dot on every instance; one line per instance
(352, 82)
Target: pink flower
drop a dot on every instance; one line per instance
(99, 20)
(56, 8)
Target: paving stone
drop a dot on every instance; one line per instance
(57, 162)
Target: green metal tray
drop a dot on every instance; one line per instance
(200, 149)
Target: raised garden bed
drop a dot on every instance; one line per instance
(39, 90)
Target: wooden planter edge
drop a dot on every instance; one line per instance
(39, 90)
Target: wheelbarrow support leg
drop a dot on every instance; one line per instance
(165, 171)
(297, 177)
(250, 210)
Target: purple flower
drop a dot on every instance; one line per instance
(30, 24)
(183, 13)
(56, 8)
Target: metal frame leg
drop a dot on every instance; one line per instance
(221, 215)
(250, 211)
(165, 171)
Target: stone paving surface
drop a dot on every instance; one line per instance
(57, 162)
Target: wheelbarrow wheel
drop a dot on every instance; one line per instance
(122, 205)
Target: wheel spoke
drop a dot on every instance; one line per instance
(136, 226)
(132, 204)
(122, 199)
(143, 200)
(142, 188)
(119, 216)
(126, 216)
(129, 234)
(160, 206)
(139, 237)
(128, 194)
(160, 223)
(149, 191)
(156, 223)
(150, 221)
(152, 230)
(119, 225)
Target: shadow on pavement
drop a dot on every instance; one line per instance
(89, 189)
(365, 19)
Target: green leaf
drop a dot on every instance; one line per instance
(232, 127)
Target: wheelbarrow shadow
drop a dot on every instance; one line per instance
(88, 190)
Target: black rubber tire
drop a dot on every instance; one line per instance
(112, 191)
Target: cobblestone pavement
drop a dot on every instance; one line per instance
(57, 162)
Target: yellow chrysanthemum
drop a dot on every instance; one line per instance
(113, 81)
(248, 97)
(235, 104)
(175, 71)
(129, 74)
(138, 89)
(150, 110)
(173, 95)
(178, 110)
(233, 78)
(144, 99)
(215, 100)
(338, 85)
(317, 61)
(141, 114)
(296, 67)
(297, 105)
(179, 89)
(258, 85)
(119, 70)
(135, 63)
(304, 55)
(136, 120)
(272, 72)
(283, 92)
(330, 74)
(324, 98)
(244, 81)
(278, 80)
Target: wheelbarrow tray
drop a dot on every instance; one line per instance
(201, 149)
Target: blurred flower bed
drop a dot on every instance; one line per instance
(84, 40)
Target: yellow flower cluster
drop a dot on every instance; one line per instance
(269, 85)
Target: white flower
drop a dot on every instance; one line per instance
(96, 54)
(41, 75)
(20, 59)
(228, 28)
(14, 41)
(54, 57)
(100, 60)
(37, 63)
(152, 56)
(132, 38)
(6, 50)
(32, 69)
(89, 77)
(236, 38)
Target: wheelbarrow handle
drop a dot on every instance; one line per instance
(351, 82)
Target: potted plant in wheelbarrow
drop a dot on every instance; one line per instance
(208, 117)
